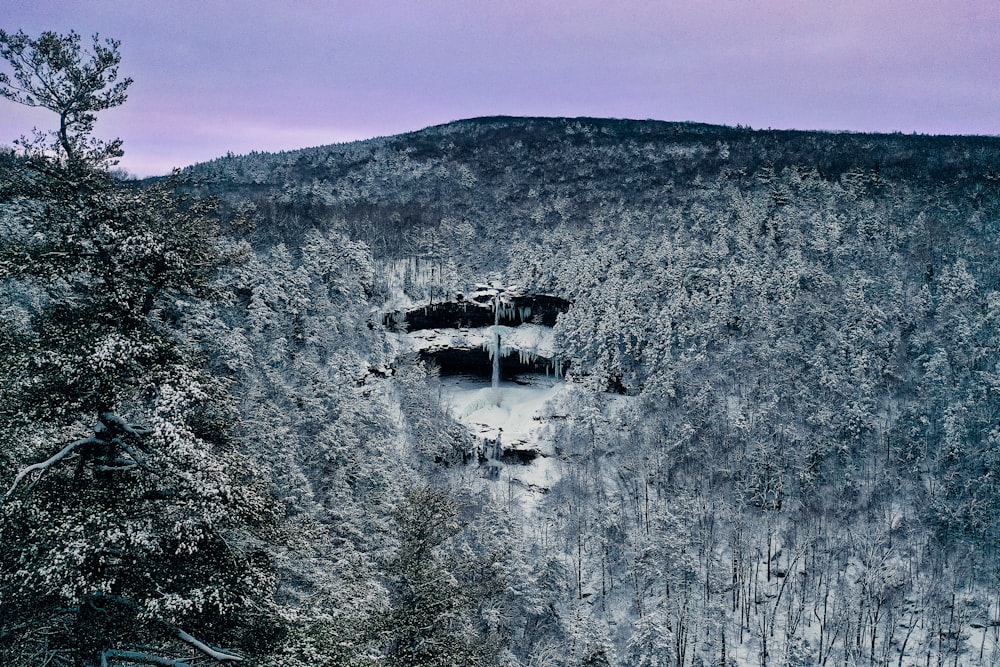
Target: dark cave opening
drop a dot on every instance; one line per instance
(478, 363)
(539, 309)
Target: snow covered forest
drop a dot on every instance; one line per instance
(508, 391)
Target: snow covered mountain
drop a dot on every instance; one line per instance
(563, 392)
(776, 437)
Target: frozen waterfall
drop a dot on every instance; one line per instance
(496, 349)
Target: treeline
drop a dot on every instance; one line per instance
(506, 174)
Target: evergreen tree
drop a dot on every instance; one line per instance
(128, 518)
(55, 73)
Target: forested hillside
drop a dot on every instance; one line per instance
(772, 433)
(781, 447)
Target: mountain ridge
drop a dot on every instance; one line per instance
(648, 127)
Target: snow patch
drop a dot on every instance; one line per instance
(520, 421)
(518, 418)
(528, 340)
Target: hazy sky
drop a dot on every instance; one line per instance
(213, 76)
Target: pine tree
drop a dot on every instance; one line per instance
(128, 518)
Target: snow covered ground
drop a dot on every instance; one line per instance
(519, 419)
(515, 408)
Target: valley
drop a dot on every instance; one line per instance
(566, 392)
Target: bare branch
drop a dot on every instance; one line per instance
(208, 650)
(125, 466)
(215, 654)
(138, 458)
(49, 462)
(111, 418)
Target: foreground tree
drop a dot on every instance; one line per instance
(55, 73)
(129, 522)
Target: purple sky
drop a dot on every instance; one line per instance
(213, 76)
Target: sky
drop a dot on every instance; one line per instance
(214, 76)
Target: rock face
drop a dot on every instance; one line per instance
(477, 311)
(477, 362)
(539, 309)
(445, 315)
(463, 336)
(519, 456)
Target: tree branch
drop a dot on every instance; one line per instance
(123, 466)
(49, 462)
(139, 460)
(112, 418)
(215, 654)
(208, 650)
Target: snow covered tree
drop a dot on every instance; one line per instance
(297, 342)
(130, 525)
(436, 589)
